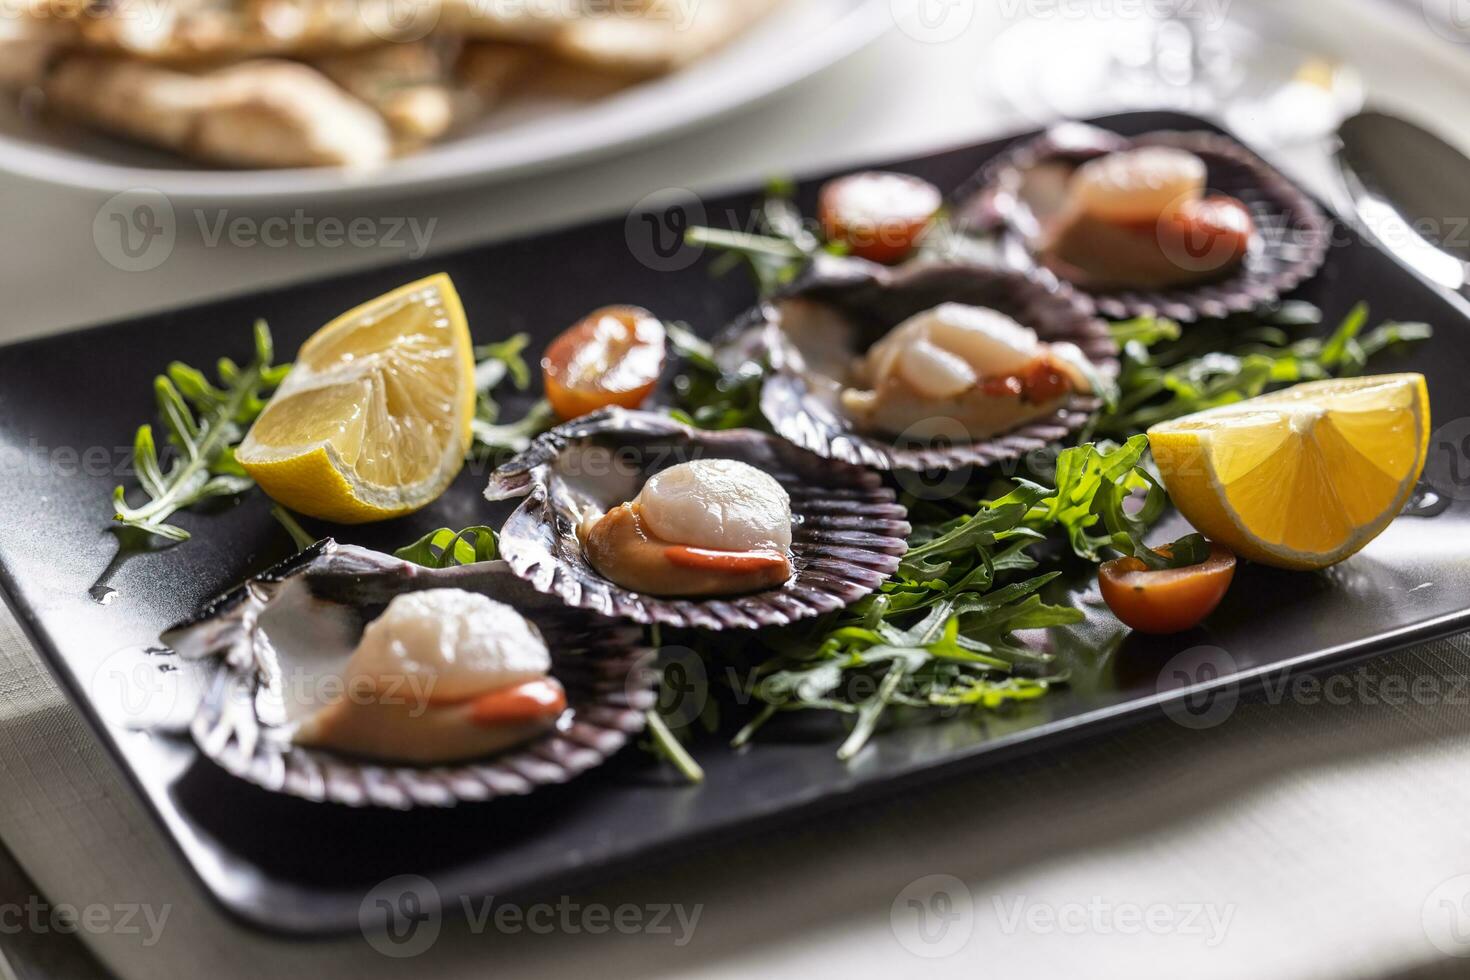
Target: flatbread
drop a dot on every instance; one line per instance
(426, 89)
(409, 84)
(225, 30)
(514, 20)
(264, 113)
(27, 47)
(665, 36)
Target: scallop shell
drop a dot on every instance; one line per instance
(1293, 251)
(240, 725)
(876, 299)
(848, 531)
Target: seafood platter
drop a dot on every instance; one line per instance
(543, 562)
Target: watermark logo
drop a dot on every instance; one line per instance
(146, 18)
(142, 687)
(684, 690)
(1448, 468)
(934, 916)
(399, 20)
(1210, 14)
(940, 436)
(1203, 665)
(1450, 19)
(401, 917)
(657, 226)
(1101, 917)
(135, 231)
(301, 229)
(933, 21)
(568, 917)
(38, 917)
(138, 230)
(1193, 245)
(1446, 916)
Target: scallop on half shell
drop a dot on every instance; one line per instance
(812, 333)
(1017, 194)
(277, 636)
(848, 531)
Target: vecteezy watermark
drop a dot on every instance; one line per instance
(1446, 916)
(1207, 673)
(532, 16)
(398, 20)
(141, 687)
(138, 230)
(36, 916)
(135, 231)
(1449, 19)
(933, 21)
(149, 16)
(1211, 14)
(1103, 917)
(657, 225)
(934, 916)
(938, 438)
(1367, 686)
(144, 687)
(300, 229)
(403, 916)
(1448, 467)
(683, 690)
(36, 459)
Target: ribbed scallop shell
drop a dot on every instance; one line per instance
(876, 299)
(848, 531)
(1298, 233)
(603, 665)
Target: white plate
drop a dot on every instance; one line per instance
(796, 41)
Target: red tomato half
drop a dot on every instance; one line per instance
(612, 357)
(1168, 601)
(880, 216)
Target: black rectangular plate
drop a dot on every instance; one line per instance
(299, 868)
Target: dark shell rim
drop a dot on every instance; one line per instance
(1240, 293)
(845, 546)
(606, 712)
(784, 392)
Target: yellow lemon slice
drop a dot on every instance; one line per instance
(1301, 478)
(375, 418)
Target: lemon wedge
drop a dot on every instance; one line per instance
(374, 420)
(1301, 478)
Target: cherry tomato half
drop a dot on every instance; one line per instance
(880, 216)
(1169, 601)
(612, 357)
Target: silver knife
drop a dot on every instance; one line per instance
(1411, 191)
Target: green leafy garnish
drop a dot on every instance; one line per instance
(1094, 485)
(204, 423)
(1169, 371)
(514, 437)
(707, 396)
(448, 548)
(942, 633)
(496, 364)
(777, 251)
(287, 520)
(666, 745)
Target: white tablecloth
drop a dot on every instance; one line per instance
(1308, 838)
